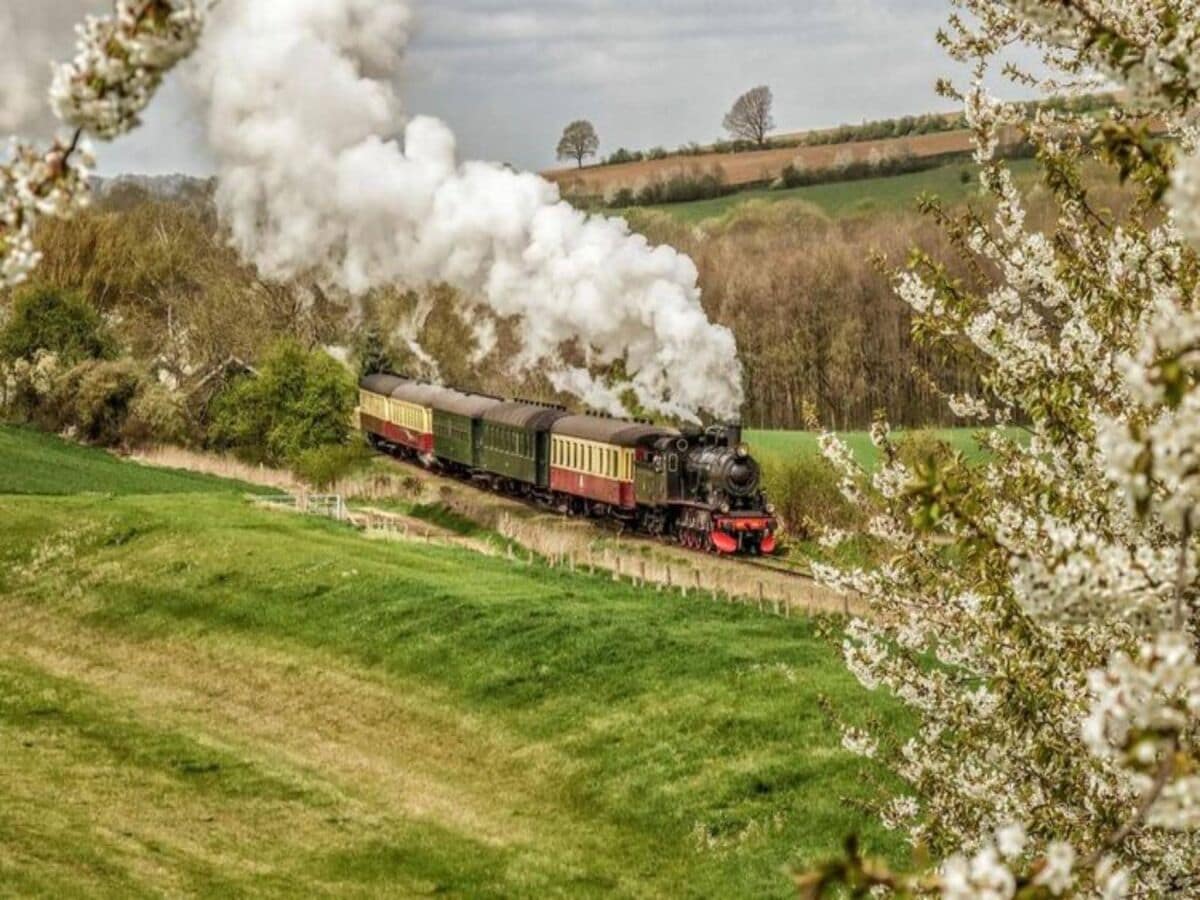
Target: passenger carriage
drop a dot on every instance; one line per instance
(593, 458)
(700, 486)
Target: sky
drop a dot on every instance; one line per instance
(508, 76)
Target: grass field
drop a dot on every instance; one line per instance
(782, 445)
(853, 198)
(37, 463)
(200, 697)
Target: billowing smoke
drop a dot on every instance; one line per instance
(33, 33)
(316, 181)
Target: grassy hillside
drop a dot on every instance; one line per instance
(37, 463)
(855, 198)
(199, 697)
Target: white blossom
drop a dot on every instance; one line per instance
(120, 61)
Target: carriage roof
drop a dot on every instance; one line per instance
(524, 415)
(617, 432)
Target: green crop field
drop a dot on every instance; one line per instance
(199, 697)
(781, 445)
(859, 197)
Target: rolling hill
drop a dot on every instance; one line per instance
(198, 696)
(754, 167)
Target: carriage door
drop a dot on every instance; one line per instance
(674, 485)
(542, 445)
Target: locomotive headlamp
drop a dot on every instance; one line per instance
(770, 509)
(743, 450)
(725, 509)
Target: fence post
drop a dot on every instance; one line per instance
(761, 596)
(643, 569)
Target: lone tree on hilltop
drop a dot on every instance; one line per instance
(579, 140)
(750, 119)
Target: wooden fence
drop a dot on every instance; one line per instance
(723, 580)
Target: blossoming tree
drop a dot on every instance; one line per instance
(120, 62)
(1040, 612)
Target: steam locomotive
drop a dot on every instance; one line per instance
(700, 486)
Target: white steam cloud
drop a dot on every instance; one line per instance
(303, 114)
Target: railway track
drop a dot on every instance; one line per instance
(610, 526)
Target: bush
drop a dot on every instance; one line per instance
(300, 400)
(623, 199)
(96, 398)
(679, 188)
(657, 153)
(323, 467)
(623, 156)
(156, 416)
(923, 447)
(806, 496)
(57, 322)
(113, 403)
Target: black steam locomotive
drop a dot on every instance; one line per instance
(700, 486)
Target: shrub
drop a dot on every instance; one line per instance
(623, 156)
(322, 467)
(806, 496)
(678, 188)
(97, 397)
(26, 388)
(58, 322)
(156, 416)
(923, 447)
(623, 198)
(300, 400)
(657, 153)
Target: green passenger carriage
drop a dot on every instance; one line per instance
(458, 426)
(516, 442)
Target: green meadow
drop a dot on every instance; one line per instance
(201, 697)
(953, 183)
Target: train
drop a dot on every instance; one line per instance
(699, 486)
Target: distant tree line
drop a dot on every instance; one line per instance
(750, 121)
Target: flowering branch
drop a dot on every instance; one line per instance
(120, 62)
(1039, 612)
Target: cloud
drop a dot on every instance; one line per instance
(509, 75)
(664, 72)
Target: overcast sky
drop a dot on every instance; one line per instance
(508, 76)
